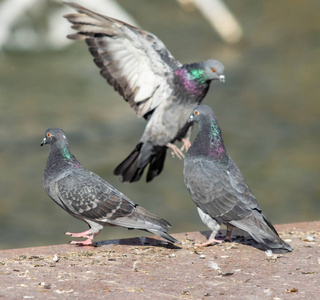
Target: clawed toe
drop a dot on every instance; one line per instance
(209, 243)
(175, 151)
(186, 144)
(87, 242)
(88, 234)
(212, 241)
(84, 234)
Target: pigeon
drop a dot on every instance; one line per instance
(157, 86)
(219, 190)
(89, 198)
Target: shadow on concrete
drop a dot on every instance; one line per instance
(139, 241)
(238, 236)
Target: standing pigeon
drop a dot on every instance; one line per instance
(157, 87)
(88, 197)
(219, 190)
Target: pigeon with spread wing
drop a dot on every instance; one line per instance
(157, 86)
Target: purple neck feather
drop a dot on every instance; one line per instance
(189, 83)
(209, 141)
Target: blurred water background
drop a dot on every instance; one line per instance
(268, 110)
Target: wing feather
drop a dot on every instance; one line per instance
(92, 198)
(219, 193)
(135, 62)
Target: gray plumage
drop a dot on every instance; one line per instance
(218, 188)
(88, 197)
(156, 86)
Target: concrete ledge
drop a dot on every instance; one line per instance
(146, 268)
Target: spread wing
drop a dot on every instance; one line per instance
(219, 191)
(135, 62)
(87, 196)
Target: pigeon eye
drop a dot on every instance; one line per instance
(48, 134)
(196, 112)
(213, 70)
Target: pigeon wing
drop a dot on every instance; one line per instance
(135, 62)
(87, 196)
(219, 191)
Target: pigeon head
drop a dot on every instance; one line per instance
(53, 135)
(201, 113)
(213, 70)
(209, 140)
(203, 72)
(59, 146)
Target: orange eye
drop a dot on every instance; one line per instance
(48, 134)
(213, 70)
(196, 112)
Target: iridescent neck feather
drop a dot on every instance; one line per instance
(62, 148)
(192, 79)
(216, 147)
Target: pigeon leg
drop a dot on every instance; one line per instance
(85, 234)
(229, 232)
(211, 240)
(89, 234)
(175, 151)
(186, 144)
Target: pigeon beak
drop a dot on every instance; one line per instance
(44, 141)
(222, 78)
(190, 119)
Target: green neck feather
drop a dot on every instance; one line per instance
(64, 150)
(215, 133)
(66, 153)
(198, 74)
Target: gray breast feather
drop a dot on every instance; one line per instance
(215, 192)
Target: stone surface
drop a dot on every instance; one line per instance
(147, 268)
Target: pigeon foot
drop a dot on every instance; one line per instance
(186, 144)
(175, 151)
(85, 234)
(87, 242)
(210, 242)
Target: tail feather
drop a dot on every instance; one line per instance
(165, 235)
(144, 220)
(128, 169)
(156, 164)
(276, 246)
(131, 169)
(263, 232)
(155, 224)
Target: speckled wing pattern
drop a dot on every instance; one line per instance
(135, 62)
(85, 194)
(220, 191)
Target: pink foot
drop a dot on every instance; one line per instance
(175, 151)
(84, 234)
(186, 144)
(210, 242)
(88, 242)
(88, 234)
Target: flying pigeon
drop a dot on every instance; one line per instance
(89, 198)
(219, 190)
(157, 86)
